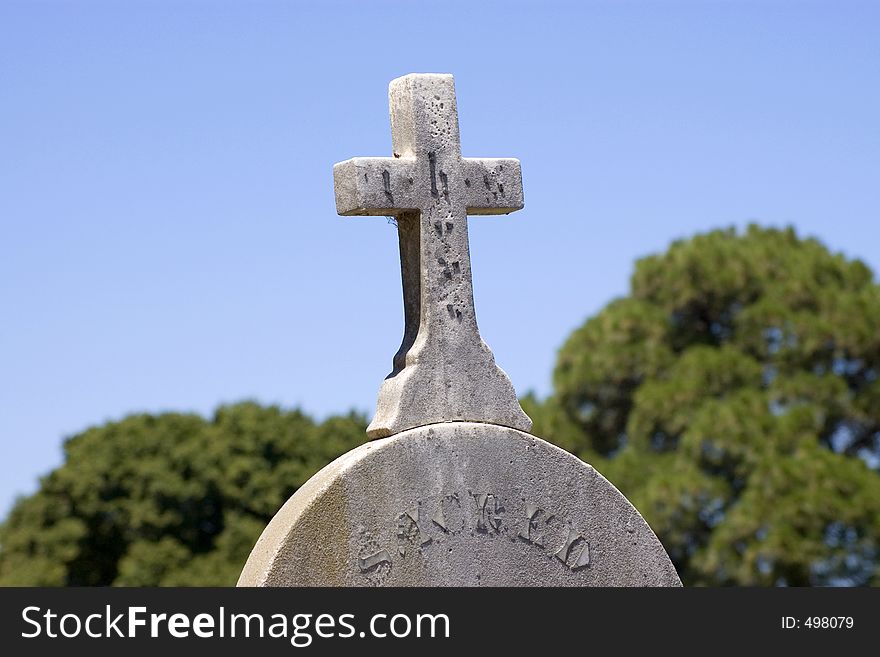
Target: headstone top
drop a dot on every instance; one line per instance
(458, 504)
(443, 370)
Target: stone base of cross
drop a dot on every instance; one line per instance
(443, 370)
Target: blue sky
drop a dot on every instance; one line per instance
(169, 239)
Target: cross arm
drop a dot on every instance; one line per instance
(375, 186)
(492, 185)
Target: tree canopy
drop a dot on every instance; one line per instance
(166, 499)
(733, 396)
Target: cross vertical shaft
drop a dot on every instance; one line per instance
(443, 370)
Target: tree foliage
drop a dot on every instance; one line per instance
(167, 499)
(734, 397)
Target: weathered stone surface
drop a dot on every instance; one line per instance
(443, 370)
(458, 494)
(458, 504)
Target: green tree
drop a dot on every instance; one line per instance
(734, 397)
(166, 499)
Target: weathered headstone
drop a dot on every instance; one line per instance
(454, 491)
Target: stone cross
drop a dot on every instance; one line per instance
(453, 491)
(443, 370)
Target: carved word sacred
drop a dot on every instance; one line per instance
(431, 520)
